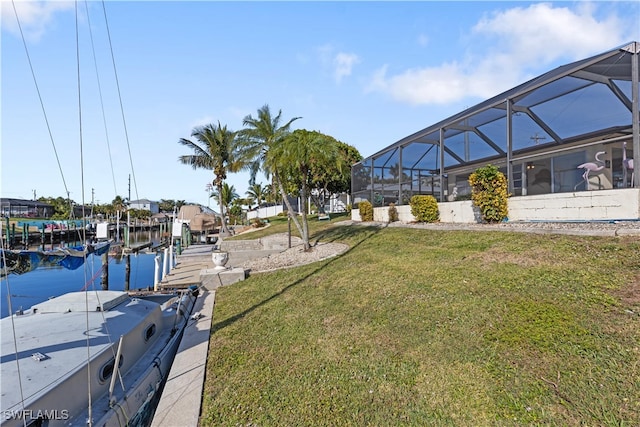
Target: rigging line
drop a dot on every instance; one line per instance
(124, 123)
(13, 325)
(102, 314)
(24, 43)
(104, 119)
(86, 296)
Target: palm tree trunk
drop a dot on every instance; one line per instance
(224, 231)
(305, 222)
(305, 237)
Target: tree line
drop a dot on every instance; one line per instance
(299, 163)
(65, 208)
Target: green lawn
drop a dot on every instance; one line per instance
(424, 327)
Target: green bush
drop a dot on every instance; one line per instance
(366, 210)
(393, 213)
(424, 208)
(489, 193)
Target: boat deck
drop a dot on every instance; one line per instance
(45, 360)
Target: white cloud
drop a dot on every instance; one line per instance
(509, 47)
(542, 32)
(343, 64)
(35, 16)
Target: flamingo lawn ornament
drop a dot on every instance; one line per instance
(627, 165)
(591, 167)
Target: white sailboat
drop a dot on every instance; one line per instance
(88, 358)
(58, 358)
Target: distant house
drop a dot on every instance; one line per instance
(145, 204)
(25, 208)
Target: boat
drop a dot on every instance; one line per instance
(59, 357)
(90, 357)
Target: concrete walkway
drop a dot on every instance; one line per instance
(182, 395)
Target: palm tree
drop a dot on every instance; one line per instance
(271, 196)
(257, 194)
(257, 138)
(229, 194)
(119, 204)
(214, 148)
(295, 156)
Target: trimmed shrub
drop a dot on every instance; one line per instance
(424, 208)
(366, 210)
(393, 213)
(489, 193)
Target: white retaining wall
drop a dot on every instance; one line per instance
(618, 204)
(265, 212)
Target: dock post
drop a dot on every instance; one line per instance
(165, 263)
(156, 273)
(127, 272)
(42, 237)
(7, 241)
(105, 271)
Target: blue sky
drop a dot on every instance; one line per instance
(366, 73)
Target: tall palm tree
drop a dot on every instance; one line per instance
(257, 193)
(214, 148)
(257, 137)
(295, 156)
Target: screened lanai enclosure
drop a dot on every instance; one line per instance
(572, 129)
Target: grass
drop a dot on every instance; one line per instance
(427, 327)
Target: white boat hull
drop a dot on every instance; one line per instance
(70, 383)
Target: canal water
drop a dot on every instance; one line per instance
(43, 283)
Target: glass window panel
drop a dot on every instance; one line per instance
(450, 161)
(483, 117)
(496, 131)
(378, 175)
(624, 86)
(566, 176)
(450, 133)
(615, 67)
(384, 158)
(361, 177)
(430, 138)
(462, 185)
(538, 177)
(587, 110)
(517, 172)
(552, 90)
(420, 156)
(361, 196)
(527, 133)
(470, 147)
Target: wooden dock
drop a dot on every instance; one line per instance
(185, 274)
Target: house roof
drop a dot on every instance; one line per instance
(586, 99)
